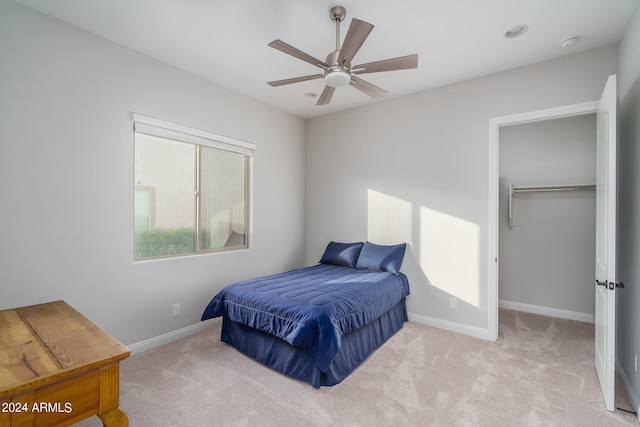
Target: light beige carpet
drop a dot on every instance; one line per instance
(540, 372)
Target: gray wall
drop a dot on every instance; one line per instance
(66, 168)
(416, 169)
(547, 255)
(629, 207)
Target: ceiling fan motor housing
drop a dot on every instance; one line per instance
(337, 75)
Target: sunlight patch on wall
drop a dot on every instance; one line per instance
(389, 219)
(450, 254)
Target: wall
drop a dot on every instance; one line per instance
(547, 254)
(66, 168)
(628, 322)
(416, 169)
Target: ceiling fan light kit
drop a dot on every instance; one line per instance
(337, 69)
(337, 78)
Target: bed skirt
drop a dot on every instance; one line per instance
(299, 363)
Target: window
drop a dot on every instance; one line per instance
(191, 190)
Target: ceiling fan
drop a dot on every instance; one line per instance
(338, 70)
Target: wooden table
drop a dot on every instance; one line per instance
(56, 368)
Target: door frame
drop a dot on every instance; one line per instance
(494, 191)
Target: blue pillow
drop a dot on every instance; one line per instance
(381, 258)
(342, 253)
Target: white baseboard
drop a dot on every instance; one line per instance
(546, 311)
(633, 395)
(164, 339)
(450, 326)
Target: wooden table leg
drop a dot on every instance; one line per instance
(115, 418)
(110, 414)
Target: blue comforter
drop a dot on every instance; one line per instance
(311, 307)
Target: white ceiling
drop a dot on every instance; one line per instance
(225, 41)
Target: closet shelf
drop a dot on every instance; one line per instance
(543, 188)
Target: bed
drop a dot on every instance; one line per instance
(319, 323)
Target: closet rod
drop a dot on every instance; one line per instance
(540, 188)
(564, 187)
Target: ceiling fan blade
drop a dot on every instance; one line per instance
(367, 88)
(295, 80)
(400, 63)
(325, 96)
(290, 50)
(356, 35)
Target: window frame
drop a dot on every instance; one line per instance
(199, 138)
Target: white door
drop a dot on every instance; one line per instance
(605, 310)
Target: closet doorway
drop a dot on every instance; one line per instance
(547, 217)
(605, 259)
(495, 215)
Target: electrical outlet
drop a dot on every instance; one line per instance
(176, 310)
(453, 302)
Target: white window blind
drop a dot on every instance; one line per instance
(163, 129)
